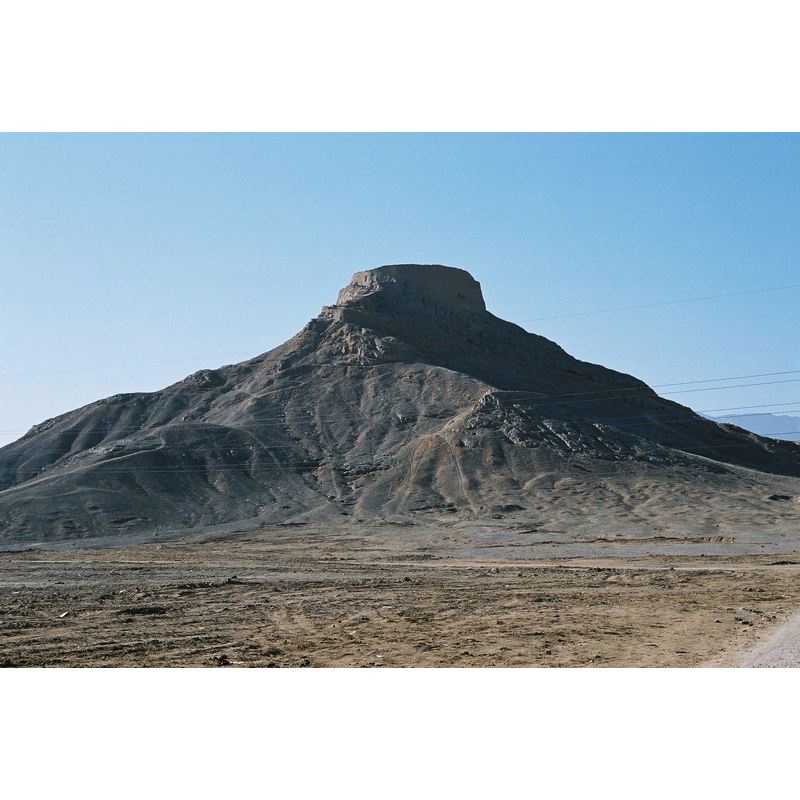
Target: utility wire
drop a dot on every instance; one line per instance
(218, 448)
(734, 378)
(340, 418)
(735, 386)
(533, 319)
(307, 466)
(122, 366)
(664, 303)
(534, 399)
(742, 408)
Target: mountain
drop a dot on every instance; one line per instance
(407, 401)
(776, 426)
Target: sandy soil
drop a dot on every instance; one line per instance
(295, 598)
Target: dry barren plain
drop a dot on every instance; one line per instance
(297, 597)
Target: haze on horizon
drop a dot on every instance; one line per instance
(177, 252)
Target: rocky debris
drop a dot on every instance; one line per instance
(206, 379)
(143, 610)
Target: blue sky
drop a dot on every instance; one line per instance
(200, 250)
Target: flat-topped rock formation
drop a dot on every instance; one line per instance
(430, 286)
(406, 401)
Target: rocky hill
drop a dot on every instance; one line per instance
(406, 400)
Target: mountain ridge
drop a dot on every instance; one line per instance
(406, 397)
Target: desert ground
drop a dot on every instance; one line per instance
(293, 596)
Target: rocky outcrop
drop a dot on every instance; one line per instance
(431, 287)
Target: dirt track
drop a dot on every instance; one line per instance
(781, 648)
(299, 600)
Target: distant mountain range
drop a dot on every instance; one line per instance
(776, 426)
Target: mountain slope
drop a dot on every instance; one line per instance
(406, 398)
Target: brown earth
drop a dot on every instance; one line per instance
(293, 597)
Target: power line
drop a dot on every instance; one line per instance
(308, 463)
(542, 400)
(734, 378)
(122, 366)
(220, 448)
(308, 466)
(742, 408)
(537, 399)
(533, 319)
(735, 386)
(664, 303)
(339, 418)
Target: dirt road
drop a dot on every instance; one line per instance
(781, 648)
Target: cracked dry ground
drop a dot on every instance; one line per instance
(290, 604)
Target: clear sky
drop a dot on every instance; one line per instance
(201, 250)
